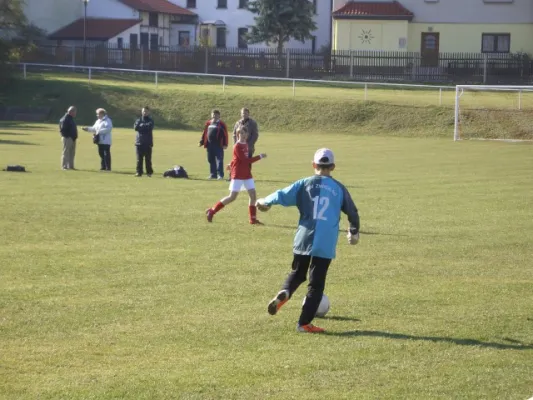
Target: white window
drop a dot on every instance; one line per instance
(495, 42)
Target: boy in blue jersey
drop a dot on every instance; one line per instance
(320, 200)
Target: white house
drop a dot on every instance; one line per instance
(135, 23)
(168, 23)
(224, 22)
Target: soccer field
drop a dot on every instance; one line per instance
(116, 287)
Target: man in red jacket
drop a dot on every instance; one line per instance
(215, 140)
(241, 177)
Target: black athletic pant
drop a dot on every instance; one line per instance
(318, 269)
(104, 150)
(144, 152)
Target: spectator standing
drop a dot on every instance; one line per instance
(144, 142)
(215, 140)
(101, 131)
(69, 135)
(252, 128)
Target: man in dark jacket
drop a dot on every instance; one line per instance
(69, 134)
(144, 142)
(215, 140)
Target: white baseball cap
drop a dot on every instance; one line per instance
(324, 156)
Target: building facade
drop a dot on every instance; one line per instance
(223, 23)
(434, 26)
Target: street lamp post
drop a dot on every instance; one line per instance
(85, 2)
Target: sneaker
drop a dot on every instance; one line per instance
(309, 328)
(255, 222)
(149, 175)
(138, 175)
(209, 214)
(211, 177)
(220, 178)
(275, 304)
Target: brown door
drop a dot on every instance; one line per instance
(429, 49)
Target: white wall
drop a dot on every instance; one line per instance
(109, 9)
(464, 11)
(236, 18)
(45, 14)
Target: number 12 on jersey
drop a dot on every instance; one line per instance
(320, 205)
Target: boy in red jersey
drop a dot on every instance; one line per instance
(241, 177)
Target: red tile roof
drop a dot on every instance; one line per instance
(159, 6)
(97, 29)
(373, 10)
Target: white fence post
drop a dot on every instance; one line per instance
(293, 87)
(156, 78)
(90, 74)
(456, 115)
(366, 91)
(24, 70)
(224, 83)
(440, 96)
(520, 99)
(288, 60)
(206, 60)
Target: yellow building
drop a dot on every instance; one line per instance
(431, 27)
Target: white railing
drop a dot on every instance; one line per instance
(157, 74)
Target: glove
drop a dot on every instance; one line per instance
(353, 238)
(261, 206)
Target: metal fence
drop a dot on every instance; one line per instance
(447, 68)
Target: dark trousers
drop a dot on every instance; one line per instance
(104, 150)
(215, 157)
(318, 269)
(144, 152)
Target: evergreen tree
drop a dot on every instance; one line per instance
(277, 21)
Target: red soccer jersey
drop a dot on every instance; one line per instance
(240, 164)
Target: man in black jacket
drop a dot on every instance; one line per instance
(144, 142)
(69, 134)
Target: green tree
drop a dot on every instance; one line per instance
(278, 21)
(13, 38)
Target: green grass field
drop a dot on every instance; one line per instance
(116, 287)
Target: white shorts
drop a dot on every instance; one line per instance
(237, 185)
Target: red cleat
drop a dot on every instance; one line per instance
(309, 328)
(275, 304)
(209, 214)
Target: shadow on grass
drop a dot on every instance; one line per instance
(132, 172)
(17, 142)
(340, 318)
(13, 133)
(437, 339)
(294, 227)
(16, 125)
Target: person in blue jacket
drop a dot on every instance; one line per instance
(320, 200)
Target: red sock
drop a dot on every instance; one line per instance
(252, 210)
(217, 207)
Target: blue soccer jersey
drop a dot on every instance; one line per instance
(320, 200)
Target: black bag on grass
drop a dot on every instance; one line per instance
(177, 172)
(15, 168)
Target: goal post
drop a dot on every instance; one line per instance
(496, 112)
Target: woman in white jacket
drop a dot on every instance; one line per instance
(102, 127)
